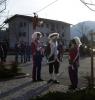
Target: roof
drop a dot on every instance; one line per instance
(15, 16)
(30, 18)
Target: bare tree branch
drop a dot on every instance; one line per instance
(87, 2)
(87, 5)
(2, 3)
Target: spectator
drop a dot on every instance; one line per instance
(17, 51)
(74, 62)
(1, 52)
(36, 56)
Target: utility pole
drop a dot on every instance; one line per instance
(92, 71)
(90, 5)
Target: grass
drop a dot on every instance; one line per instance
(86, 94)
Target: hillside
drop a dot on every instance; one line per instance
(82, 28)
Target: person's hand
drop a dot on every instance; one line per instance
(39, 48)
(56, 59)
(73, 67)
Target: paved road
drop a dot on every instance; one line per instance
(23, 88)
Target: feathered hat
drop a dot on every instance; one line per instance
(34, 35)
(77, 40)
(53, 36)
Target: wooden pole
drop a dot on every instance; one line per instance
(92, 72)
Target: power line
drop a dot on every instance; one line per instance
(36, 11)
(46, 6)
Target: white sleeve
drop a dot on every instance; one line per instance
(52, 50)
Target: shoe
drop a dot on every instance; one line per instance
(72, 87)
(56, 82)
(34, 80)
(40, 80)
(49, 81)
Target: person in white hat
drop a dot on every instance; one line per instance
(36, 56)
(53, 58)
(74, 62)
(77, 40)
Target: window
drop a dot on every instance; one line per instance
(56, 26)
(52, 27)
(63, 26)
(47, 25)
(22, 34)
(20, 24)
(19, 34)
(24, 24)
(63, 34)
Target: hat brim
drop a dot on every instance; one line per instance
(34, 35)
(78, 42)
(53, 36)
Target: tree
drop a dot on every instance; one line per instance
(82, 28)
(84, 39)
(2, 5)
(2, 8)
(90, 4)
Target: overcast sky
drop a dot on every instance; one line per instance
(70, 11)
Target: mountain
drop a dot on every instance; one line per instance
(81, 28)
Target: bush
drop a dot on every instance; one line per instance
(8, 71)
(14, 68)
(85, 50)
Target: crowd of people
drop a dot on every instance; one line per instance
(53, 52)
(22, 51)
(3, 50)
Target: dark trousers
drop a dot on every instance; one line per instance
(16, 55)
(36, 73)
(28, 57)
(1, 57)
(54, 67)
(73, 74)
(23, 57)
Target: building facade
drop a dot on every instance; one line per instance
(21, 29)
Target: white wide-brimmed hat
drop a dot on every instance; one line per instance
(53, 35)
(77, 40)
(34, 35)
